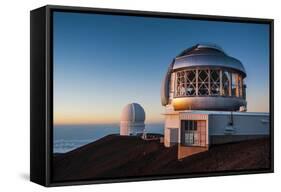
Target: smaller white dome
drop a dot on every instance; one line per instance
(133, 113)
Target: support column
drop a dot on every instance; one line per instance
(176, 85)
(220, 81)
(209, 81)
(230, 84)
(237, 85)
(196, 79)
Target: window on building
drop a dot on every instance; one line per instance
(190, 132)
(215, 82)
(234, 85)
(225, 83)
(203, 82)
(240, 86)
(212, 82)
(237, 85)
(181, 84)
(244, 91)
(191, 82)
(190, 125)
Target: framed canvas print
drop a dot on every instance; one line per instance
(119, 95)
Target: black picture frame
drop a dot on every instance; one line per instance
(41, 92)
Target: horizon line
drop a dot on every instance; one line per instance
(114, 123)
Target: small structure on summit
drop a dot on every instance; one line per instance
(132, 120)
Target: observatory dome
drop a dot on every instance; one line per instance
(207, 55)
(133, 112)
(132, 119)
(204, 77)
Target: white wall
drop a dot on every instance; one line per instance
(172, 122)
(14, 78)
(242, 124)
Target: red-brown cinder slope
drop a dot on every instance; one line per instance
(122, 156)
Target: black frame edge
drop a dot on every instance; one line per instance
(271, 90)
(159, 14)
(38, 135)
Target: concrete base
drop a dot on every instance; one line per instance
(185, 151)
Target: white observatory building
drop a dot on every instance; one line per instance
(132, 120)
(204, 94)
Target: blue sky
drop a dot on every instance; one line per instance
(103, 62)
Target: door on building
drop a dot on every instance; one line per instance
(193, 132)
(174, 135)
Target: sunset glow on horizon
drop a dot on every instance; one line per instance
(88, 119)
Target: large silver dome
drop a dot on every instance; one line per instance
(207, 55)
(204, 77)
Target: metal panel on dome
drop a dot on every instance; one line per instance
(211, 60)
(133, 112)
(165, 85)
(210, 46)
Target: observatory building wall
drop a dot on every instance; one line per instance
(171, 131)
(204, 128)
(244, 126)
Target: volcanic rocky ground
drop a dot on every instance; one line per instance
(115, 156)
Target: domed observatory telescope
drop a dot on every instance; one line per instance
(204, 95)
(204, 77)
(132, 120)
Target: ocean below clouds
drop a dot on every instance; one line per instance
(70, 137)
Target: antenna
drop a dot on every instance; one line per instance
(231, 119)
